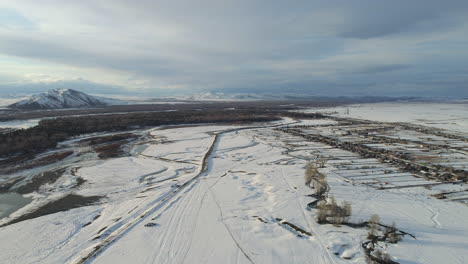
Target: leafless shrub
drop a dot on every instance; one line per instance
(321, 187)
(373, 224)
(333, 213)
(341, 214)
(315, 179)
(392, 235)
(321, 162)
(382, 257)
(309, 173)
(347, 210)
(322, 212)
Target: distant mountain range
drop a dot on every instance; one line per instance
(220, 96)
(63, 98)
(69, 98)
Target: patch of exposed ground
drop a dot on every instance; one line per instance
(20, 163)
(63, 204)
(37, 181)
(108, 139)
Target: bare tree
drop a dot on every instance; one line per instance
(322, 212)
(392, 235)
(321, 161)
(333, 213)
(314, 179)
(340, 214)
(309, 173)
(382, 257)
(346, 210)
(373, 226)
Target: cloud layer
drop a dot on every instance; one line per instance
(316, 46)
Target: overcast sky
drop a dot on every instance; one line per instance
(347, 47)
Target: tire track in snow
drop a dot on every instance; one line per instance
(198, 211)
(434, 214)
(90, 254)
(173, 235)
(227, 227)
(93, 252)
(321, 243)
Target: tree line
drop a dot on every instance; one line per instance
(51, 131)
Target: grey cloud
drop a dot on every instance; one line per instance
(380, 68)
(317, 45)
(82, 85)
(370, 19)
(66, 54)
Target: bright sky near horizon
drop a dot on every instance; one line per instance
(362, 47)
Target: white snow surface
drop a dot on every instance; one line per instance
(18, 124)
(440, 115)
(162, 207)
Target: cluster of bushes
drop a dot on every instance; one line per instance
(113, 150)
(380, 257)
(331, 212)
(328, 210)
(108, 139)
(51, 131)
(315, 179)
(389, 234)
(380, 233)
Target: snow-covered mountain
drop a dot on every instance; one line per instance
(63, 98)
(220, 96)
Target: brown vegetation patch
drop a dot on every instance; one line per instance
(30, 164)
(37, 181)
(110, 151)
(107, 139)
(294, 227)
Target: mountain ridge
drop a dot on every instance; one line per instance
(62, 99)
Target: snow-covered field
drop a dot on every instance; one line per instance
(233, 194)
(440, 115)
(18, 124)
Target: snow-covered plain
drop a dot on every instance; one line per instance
(18, 124)
(440, 115)
(162, 205)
